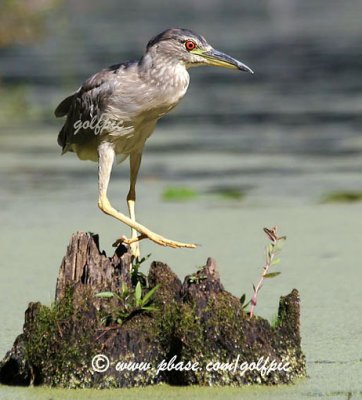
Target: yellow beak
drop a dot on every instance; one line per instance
(218, 59)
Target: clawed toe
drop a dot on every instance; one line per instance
(170, 243)
(121, 240)
(160, 240)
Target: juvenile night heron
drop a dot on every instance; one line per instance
(114, 112)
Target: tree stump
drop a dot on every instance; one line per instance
(193, 332)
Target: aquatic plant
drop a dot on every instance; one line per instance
(271, 259)
(230, 193)
(129, 303)
(179, 194)
(343, 197)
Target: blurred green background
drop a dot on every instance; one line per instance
(300, 115)
(239, 153)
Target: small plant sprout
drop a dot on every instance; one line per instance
(271, 259)
(136, 275)
(242, 301)
(129, 304)
(197, 277)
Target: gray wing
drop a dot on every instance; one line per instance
(87, 103)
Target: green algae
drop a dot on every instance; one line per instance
(343, 197)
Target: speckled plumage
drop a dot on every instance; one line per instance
(115, 111)
(133, 95)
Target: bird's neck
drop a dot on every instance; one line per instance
(165, 73)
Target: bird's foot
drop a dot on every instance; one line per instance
(160, 240)
(133, 244)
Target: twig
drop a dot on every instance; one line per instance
(105, 330)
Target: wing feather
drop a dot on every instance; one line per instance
(88, 102)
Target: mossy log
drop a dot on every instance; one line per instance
(195, 323)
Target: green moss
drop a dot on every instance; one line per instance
(210, 328)
(217, 331)
(275, 321)
(189, 329)
(226, 316)
(50, 348)
(204, 335)
(178, 320)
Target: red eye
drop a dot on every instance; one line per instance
(190, 45)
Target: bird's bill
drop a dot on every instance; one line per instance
(219, 59)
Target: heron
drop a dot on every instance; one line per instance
(113, 113)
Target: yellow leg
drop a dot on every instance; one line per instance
(105, 163)
(135, 245)
(134, 164)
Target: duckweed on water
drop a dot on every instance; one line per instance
(179, 194)
(343, 197)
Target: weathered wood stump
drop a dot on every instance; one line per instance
(195, 332)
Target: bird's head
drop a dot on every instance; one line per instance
(191, 49)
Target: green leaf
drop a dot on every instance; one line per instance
(105, 295)
(272, 274)
(245, 305)
(122, 313)
(149, 308)
(242, 299)
(276, 261)
(138, 293)
(124, 289)
(119, 321)
(148, 295)
(142, 260)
